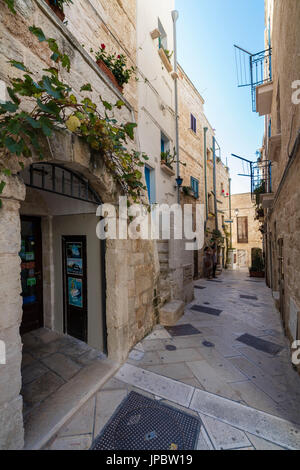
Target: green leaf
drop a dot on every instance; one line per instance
(38, 32)
(9, 107)
(11, 144)
(35, 124)
(13, 96)
(129, 129)
(65, 62)
(119, 104)
(11, 5)
(54, 56)
(18, 65)
(50, 89)
(2, 186)
(86, 87)
(73, 99)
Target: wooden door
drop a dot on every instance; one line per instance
(281, 279)
(75, 286)
(31, 274)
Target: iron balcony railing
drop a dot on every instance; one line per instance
(253, 69)
(261, 179)
(260, 174)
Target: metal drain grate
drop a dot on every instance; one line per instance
(249, 297)
(141, 423)
(260, 344)
(199, 287)
(182, 330)
(208, 310)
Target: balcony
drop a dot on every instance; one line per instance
(261, 184)
(255, 71)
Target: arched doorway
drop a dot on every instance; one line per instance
(63, 262)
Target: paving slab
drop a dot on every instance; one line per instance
(174, 371)
(107, 401)
(223, 436)
(83, 421)
(180, 355)
(268, 427)
(161, 386)
(62, 365)
(210, 381)
(71, 443)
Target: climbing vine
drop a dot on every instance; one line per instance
(51, 105)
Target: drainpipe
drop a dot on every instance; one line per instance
(215, 185)
(205, 172)
(230, 207)
(175, 16)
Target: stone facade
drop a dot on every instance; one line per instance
(246, 208)
(281, 148)
(192, 151)
(131, 266)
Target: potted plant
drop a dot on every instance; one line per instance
(258, 266)
(58, 7)
(114, 66)
(188, 191)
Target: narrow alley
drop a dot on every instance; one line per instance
(230, 344)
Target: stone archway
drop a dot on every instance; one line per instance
(131, 270)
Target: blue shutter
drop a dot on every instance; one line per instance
(148, 183)
(195, 186)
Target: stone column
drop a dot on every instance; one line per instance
(11, 416)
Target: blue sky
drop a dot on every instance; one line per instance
(207, 31)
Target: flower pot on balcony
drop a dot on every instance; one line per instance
(58, 11)
(167, 169)
(109, 74)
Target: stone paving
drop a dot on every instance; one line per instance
(49, 361)
(245, 398)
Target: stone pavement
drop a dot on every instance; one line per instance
(245, 398)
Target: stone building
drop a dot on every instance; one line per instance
(197, 156)
(157, 137)
(278, 100)
(101, 293)
(245, 228)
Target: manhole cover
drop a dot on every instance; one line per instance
(141, 423)
(182, 330)
(170, 347)
(260, 344)
(208, 344)
(208, 310)
(249, 297)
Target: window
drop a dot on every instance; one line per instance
(150, 183)
(163, 39)
(195, 187)
(242, 229)
(164, 143)
(193, 123)
(222, 189)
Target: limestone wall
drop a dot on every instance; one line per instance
(246, 208)
(131, 267)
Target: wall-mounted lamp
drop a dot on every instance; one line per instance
(236, 212)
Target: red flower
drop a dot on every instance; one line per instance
(119, 57)
(223, 191)
(227, 194)
(103, 46)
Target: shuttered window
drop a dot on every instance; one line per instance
(242, 229)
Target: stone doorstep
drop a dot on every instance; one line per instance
(171, 312)
(47, 419)
(261, 424)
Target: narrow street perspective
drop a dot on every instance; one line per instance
(149, 228)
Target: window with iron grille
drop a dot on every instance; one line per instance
(195, 187)
(242, 229)
(193, 123)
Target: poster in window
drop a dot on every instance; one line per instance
(75, 292)
(74, 266)
(74, 250)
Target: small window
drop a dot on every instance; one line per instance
(193, 123)
(242, 229)
(163, 39)
(164, 143)
(150, 183)
(195, 187)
